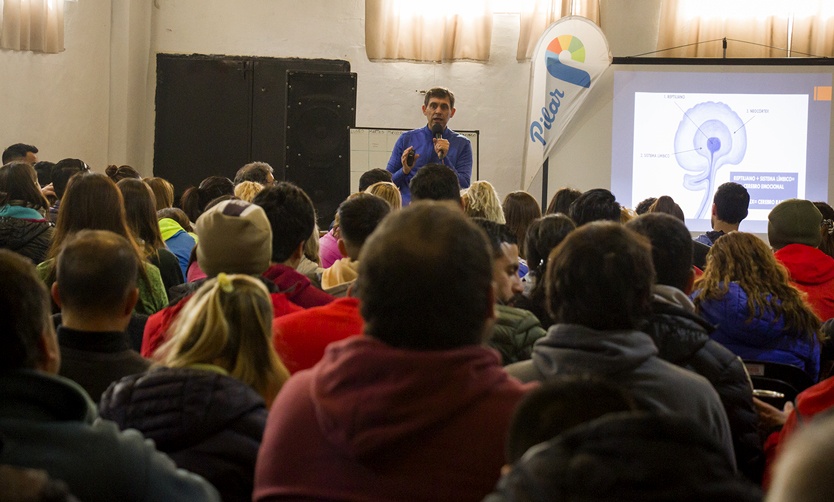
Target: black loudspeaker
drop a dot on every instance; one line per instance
(321, 109)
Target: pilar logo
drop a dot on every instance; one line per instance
(570, 46)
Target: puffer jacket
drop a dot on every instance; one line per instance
(682, 338)
(208, 423)
(514, 333)
(30, 238)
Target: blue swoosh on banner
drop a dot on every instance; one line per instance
(567, 73)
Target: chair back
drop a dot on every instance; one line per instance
(784, 379)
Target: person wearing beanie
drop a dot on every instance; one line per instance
(235, 237)
(793, 229)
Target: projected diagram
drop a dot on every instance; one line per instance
(709, 136)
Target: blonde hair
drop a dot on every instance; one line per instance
(483, 202)
(388, 192)
(247, 190)
(745, 259)
(228, 323)
(311, 246)
(627, 214)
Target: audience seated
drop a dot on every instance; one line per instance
(195, 199)
(644, 205)
(561, 201)
(435, 184)
(48, 422)
(729, 207)
(205, 406)
(95, 287)
(599, 283)
(594, 205)
(24, 228)
(256, 172)
(310, 264)
(416, 409)
(20, 152)
(373, 176)
(292, 218)
(119, 173)
(235, 238)
(759, 315)
(481, 201)
(388, 192)
(163, 192)
(141, 218)
(247, 190)
(520, 210)
(682, 337)
(793, 230)
(515, 330)
(61, 174)
(93, 202)
(177, 234)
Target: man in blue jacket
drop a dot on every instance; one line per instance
(434, 143)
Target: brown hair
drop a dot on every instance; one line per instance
(19, 184)
(141, 215)
(163, 192)
(520, 209)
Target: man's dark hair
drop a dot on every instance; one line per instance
(435, 182)
(561, 201)
(96, 270)
(24, 302)
(359, 216)
(594, 205)
(496, 235)
(64, 170)
(644, 205)
(671, 247)
(376, 175)
(601, 277)
(430, 257)
(254, 171)
(731, 202)
(560, 404)
(18, 151)
(543, 235)
(441, 93)
(44, 170)
(291, 216)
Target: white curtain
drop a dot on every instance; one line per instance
(428, 30)
(32, 25)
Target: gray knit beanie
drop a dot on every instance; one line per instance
(234, 237)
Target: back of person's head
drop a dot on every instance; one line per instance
(543, 235)
(119, 173)
(24, 302)
(388, 192)
(64, 170)
(826, 228)
(373, 176)
(411, 259)
(312, 250)
(140, 212)
(177, 215)
(19, 185)
(358, 218)
(803, 469)
(520, 209)
(228, 322)
(163, 192)
(96, 271)
(666, 204)
(558, 405)
(17, 152)
(731, 202)
(601, 277)
(671, 248)
(561, 200)
(644, 205)
(435, 182)
(247, 190)
(195, 199)
(44, 170)
(258, 172)
(235, 238)
(794, 221)
(482, 201)
(594, 205)
(497, 234)
(291, 216)
(440, 93)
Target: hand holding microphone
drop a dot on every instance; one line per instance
(441, 146)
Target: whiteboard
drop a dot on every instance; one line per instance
(370, 147)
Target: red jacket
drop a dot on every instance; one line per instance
(297, 286)
(301, 337)
(812, 271)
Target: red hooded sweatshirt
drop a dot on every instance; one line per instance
(812, 271)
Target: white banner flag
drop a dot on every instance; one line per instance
(570, 56)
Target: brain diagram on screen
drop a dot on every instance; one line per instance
(709, 136)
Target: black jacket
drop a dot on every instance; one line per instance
(29, 238)
(682, 338)
(627, 457)
(208, 423)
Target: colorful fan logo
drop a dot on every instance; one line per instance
(559, 70)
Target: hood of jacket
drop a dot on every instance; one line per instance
(180, 407)
(169, 228)
(368, 395)
(38, 396)
(571, 348)
(808, 266)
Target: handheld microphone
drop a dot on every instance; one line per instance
(437, 130)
